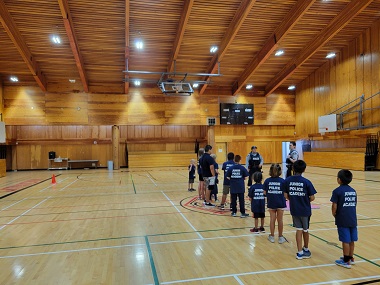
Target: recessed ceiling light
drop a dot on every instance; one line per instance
(72, 80)
(291, 87)
(213, 49)
(56, 40)
(14, 79)
(137, 82)
(331, 55)
(195, 85)
(249, 86)
(139, 44)
(279, 52)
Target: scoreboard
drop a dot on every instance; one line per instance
(236, 114)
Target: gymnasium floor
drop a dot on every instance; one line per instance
(142, 226)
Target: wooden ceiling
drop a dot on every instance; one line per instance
(98, 41)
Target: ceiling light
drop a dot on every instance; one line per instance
(279, 52)
(291, 87)
(56, 40)
(72, 80)
(195, 85)
(139, 45)
(330, 55)
(249, 86)
(14, 79)
(137, 82)
(213, 49)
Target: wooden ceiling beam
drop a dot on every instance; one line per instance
(238, 19)
(294, 15)
(69, 26)
(352, 9)
(15, 36)
(187, 5)
(126, 57)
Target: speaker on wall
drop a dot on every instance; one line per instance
(51, 154)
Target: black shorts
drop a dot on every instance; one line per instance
(200, 177)
(259, 215)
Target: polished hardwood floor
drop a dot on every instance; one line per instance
(142, 226)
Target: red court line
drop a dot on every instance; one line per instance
(21, 185)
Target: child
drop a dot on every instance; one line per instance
(256, 196)
(226, 182)
(216, 168)
(300, 192)
(343, 208)
(274, 187)
(237, 174)
(191, 169)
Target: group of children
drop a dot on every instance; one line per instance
(299, 191)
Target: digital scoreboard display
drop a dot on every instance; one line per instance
(236, 114)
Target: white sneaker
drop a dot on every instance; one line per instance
(271, 238)
(281, 240)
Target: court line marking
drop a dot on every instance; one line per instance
(238, 280)
(76, 180)
(13, 204)
(10, 222)
(50, 186)
(152, 266)
(187, 221)
(148, 175)
(164, 234)
(133, 183)
(344, 280)
(70, 250)
(250, 273)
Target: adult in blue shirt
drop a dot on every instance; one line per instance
(226, 182)
(237, 174)
(300, 192)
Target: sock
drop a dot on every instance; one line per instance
(346, 258)
(305, 249)
(300, 252)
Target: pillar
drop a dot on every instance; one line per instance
(115, 146)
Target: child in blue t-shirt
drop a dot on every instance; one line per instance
(300, 192)
(343, 208)
(256, 196)
(274, 188)
(237, 174)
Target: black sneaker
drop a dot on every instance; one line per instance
(221, 207)
(209, 204)
(262, 230)
(244, 215)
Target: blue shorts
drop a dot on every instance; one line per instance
(348, 235)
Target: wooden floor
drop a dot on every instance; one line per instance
(142, 226)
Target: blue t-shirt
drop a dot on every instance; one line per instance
(256, 192)
(299, 190)
(225, 167)
(345, 197)
(191, 171)
(237, 173)
(205, 162)
(275, 188)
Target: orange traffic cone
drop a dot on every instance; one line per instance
(53, 179)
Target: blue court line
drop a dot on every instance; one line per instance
(153, 267)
